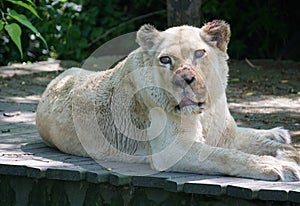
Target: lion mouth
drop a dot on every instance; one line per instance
(186, 102)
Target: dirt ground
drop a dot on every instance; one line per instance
(261, 93)
(266, 94)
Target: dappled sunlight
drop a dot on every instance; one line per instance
(30, 99)
(268, 111)
(267, 104)
(25, 69)
(18, 109)
(8, 147)
(21, 117)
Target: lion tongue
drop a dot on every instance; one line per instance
(186, 102)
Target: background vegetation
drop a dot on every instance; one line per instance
(74, 29)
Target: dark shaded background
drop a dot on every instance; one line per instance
(73, 30)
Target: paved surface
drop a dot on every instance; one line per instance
(22, 153)
(19, 97)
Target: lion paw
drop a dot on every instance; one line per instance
(288, 154)
(280, 135)
(289, 172)
(271, 168)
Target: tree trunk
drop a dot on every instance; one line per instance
(183, 12)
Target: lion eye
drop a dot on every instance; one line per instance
(199, 53)
(165, 60)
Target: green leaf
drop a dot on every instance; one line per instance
(23, 20)
(1, 25)
(27, 6)
(31, 2)
(14, 31)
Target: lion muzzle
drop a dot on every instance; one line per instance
(183, 77)
(190, 90)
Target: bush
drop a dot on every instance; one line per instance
(74, 29)
(10, 22)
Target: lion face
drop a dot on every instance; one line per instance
(180, 59)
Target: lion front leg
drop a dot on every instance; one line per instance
(205, 159)
(274, 142)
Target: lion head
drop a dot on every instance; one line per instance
(182, 62)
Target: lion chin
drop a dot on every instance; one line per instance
(189, 107)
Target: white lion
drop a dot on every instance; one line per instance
(165, 105)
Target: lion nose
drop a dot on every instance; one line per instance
(189, 80)
(184, 76)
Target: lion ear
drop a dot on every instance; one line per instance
(147, 36)
(216, 33)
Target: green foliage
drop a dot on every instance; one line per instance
(26, 6)
(13, 30)
(73, 29)
(23, 20)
